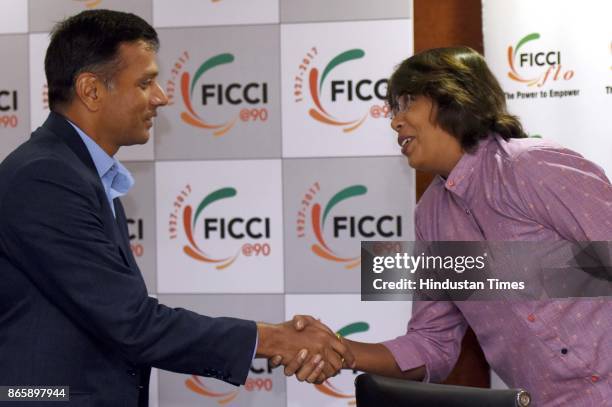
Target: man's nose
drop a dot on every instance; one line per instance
(159, 97)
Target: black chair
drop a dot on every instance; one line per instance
(377, 391)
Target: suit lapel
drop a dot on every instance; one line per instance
(59, 126)
(116, 227)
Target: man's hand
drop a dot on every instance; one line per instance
(304, 341)
(373, 358)
(306, 368)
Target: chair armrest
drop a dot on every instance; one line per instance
(372, 390)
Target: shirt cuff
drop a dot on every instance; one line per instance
(408, 355)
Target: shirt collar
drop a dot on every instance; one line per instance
(460, 177)
(105, 164)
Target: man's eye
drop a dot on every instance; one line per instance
(145, 84)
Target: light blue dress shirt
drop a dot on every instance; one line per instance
(116, 179)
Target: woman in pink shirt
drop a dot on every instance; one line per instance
(493, 183)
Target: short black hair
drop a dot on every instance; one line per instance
(471, 104)
(89, 42)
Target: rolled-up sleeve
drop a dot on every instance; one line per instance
(433, 339)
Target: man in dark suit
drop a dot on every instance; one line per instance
(74, 309)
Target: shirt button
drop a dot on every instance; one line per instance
(564, 351)
(531, 318)
(468, 212)
(451, 183)
(594, 378)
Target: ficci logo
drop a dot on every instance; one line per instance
(198, 94)
(196, 384)
(338, 90)
(313, 217)
(9, 108)
(90, 3)
(327, 387)
(535, 68)
(226, 228)
(261, 382)
(136, 235)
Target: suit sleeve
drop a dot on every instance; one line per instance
(52, 231)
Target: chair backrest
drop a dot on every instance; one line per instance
(377, 391)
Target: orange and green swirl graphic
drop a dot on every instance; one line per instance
(187, 88)
(321, 248)
(189, 223)
(316, 84)
(90, 3)
(326, 387)
(195, 384)
(512, 52)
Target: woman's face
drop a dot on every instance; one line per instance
(426, 145)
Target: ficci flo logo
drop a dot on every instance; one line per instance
(260, 381)
(313, 218)
(323, 88)
(535, 68)
(197, 95)
(327, 387)
(197, 228)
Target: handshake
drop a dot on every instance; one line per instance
(306, 347)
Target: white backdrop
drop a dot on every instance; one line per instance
(553, 59)
(248, 252)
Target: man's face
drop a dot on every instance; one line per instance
(427, 146)
(131, 102)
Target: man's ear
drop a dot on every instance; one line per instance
(89, 90)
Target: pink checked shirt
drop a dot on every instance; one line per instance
(525, 189)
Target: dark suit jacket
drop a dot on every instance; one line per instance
(74, 309)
